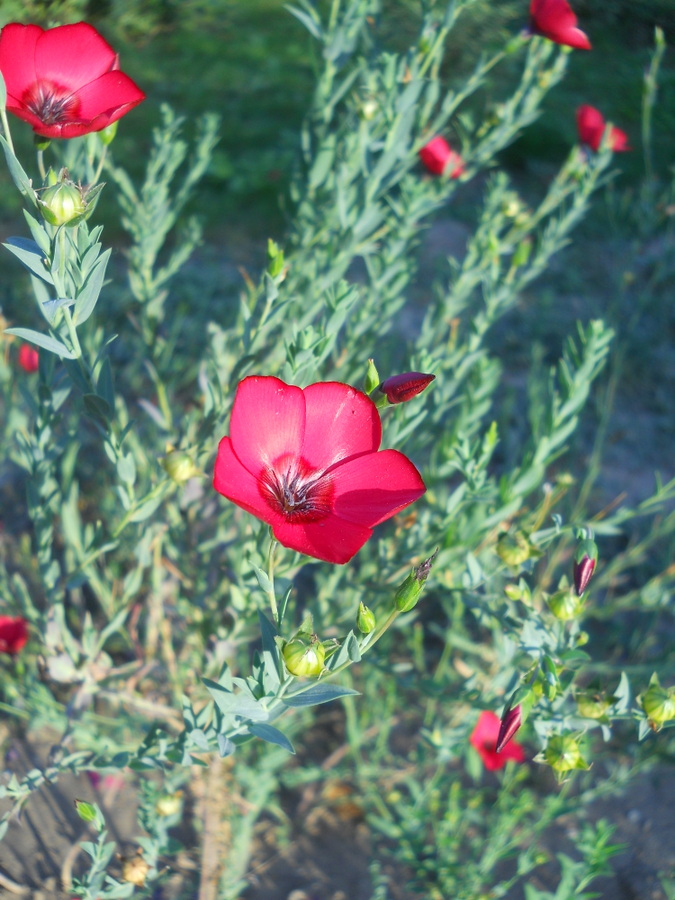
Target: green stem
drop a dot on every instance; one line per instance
(5, 128)
(271, 595)
(41, 164)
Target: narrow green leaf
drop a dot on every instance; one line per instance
(30, 255)
(88, 296)
(272, 735)
(19, 177)
(319, 693)
(42, 340)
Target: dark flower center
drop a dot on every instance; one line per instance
(300, 494)
(51, 103)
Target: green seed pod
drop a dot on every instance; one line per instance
(62, 204)
(565, 605)
(179, 466)
(365, 619)
(169, 805)
(593, 706)
(658, 703)
(514, 548)
(563, 753)
(304, 659)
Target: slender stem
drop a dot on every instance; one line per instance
(72, 331)
(41, 164)
(101, 163)
(5, 128)
(270, 575)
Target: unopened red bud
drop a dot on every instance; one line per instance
(585, 559)
(512, 719)
(29, 359)
(401, 388)
(439, 158)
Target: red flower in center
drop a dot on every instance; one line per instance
(29, 358)
(65, 81)
(591, 127)
(554, 19)
(13, 634)
(484, 739)
(306, 461)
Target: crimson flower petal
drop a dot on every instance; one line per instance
(341, 422)
(268, 421)
(17, 57)
(13, 634)
(591, 128)
(555, 20)
(234, 481)
(371, 489)
(73, 55)
(110, 96)
(333, 540)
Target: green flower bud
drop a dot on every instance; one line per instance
(372, 379)
(304, 659)
(514, 548)
(563, 753)
(658, 703)
(169, 805)
(275, 259)
(365, 620)
(593, 705)
(86, 811)
(410, 590)
(565, 605)
(179, 466)
(62, 204)
(107, 135)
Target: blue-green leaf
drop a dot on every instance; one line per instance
(319, 693)
(28, 253)
(272, 735)
(42, 340)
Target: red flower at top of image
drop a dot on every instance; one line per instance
(554, 19)
(306, 461)
(64, 81)
(591, 127)
(439, 158)
(13, 634)
(484, 739)
(28, 358)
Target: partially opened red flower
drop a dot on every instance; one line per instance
(64, 81)
(13, 634)
(306, 461)
(591, 127)
(439, 158)
(28, 358)
(484, 739)
(554, 19)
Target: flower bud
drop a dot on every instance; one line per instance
(179, 466)
(513, 548)
(401, 388)
(365, 620)
(410, 590)
(512, 719)
(593, 705)
(304, 659)
(107, 135)
(29, 358)
(86, 811)
(169, 805)
(563, 753)
(565, 605)
(135, 870)
(372, 378)
(585, 559)
(62, 203)
(658, 703)
(439, 158)
(275, 259)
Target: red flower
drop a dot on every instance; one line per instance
(591, 128)
(554, 19)
(65, 81)
(438, 157)
(28, 359)
(13, 634)
(401, 388)
(306, 461)
(484, 739)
